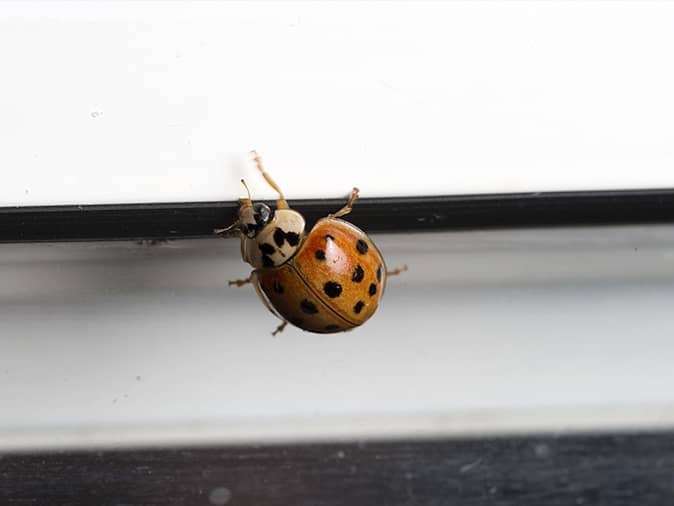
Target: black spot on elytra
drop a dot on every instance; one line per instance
(358, 307)
(332, 289)
(298, 322)
(293, 238)
(279, 237)
(320, 254)
(308, 307)
(267, 262)
(278, 287)
(379, 273)
(361, 246)
(332, 326)
(372, 290)
(358, 274)
(328, 237)
(267, 249)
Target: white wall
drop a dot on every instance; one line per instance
(499, 331)
(158, 101)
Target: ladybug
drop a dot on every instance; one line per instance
(329, 280)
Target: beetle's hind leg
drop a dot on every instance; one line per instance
(349, 205)
(280, 328)
(397, 271)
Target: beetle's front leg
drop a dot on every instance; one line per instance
(228, 231)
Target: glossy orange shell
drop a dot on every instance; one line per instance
(332, 284)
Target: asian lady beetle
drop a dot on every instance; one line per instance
(329, 280)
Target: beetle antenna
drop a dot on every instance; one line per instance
(243, 182)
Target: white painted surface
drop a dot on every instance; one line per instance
(161, 101)
(120, 344)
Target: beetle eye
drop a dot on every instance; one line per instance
(262, 214)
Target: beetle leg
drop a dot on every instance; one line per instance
(241, 282)
(397, 271)
(280, 328)
(349, 205)
(281, 202)
(265, 301)
(228, 231)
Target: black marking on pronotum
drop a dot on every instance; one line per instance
(279, 237)
(267, 249)
(308, 307)
(358, 307)
(296, 321)
(293, 238)
(361, 246)
(332, 326)
(328, 237)
(267, 262)
(379, 273)
(332, 289)
(358, 274)
(278, 287)
(320, 254)
(372, 290)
